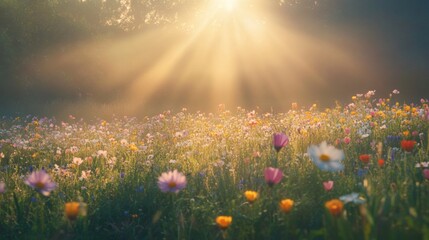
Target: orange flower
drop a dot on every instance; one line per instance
(286, 205)
(381, 162)
(335, 207)
(251, 196)
(223, 222)
(72, 210)
(408, 145)
(365, 158)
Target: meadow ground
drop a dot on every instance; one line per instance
(358, 171)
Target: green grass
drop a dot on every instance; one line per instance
(222, 155)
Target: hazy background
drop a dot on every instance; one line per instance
(98, 58)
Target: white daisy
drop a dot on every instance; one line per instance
(326, 157)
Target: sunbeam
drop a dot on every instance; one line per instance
(235, 52)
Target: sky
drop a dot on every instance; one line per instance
(242, 54)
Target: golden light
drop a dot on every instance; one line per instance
(238, 54)
(230, 5)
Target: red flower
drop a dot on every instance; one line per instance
(408, 145)
(381, 162)
(365, 158)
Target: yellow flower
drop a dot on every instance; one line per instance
(72, 210)
(286, 205)
(335, 207)
(251, 196)
(133, 147)
(407, 108)
(223, 222)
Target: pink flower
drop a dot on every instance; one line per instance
(328, 186)
(41, 182)
(280, 140)
(273, 176)
(347, 131)
(171, 181)
(347, 140)
(426, 173)
(2, 187)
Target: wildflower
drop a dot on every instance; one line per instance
(279, 141)
(381, 162)
(41, 182)
(223, 222)
(328, 186)
(408, 145)
(102, 153)
(133, 147)
(2, 187)
(362, 172)
(365, 158)
(422, 164)
(85, 175)
(77, 161)
(171, 181)
(294, 106)
(286, 205)
(335, 207)
(251, 196)
(71, 210)
(352, 197)
(347, 140)
(326, 157)
(395, 91)
(273, 176)
(89, 160)
(426, 174)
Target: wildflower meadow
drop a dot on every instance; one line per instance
(357, 171)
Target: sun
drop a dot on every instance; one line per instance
(229, 5)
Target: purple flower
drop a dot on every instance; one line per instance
(171, 181)
(2, 187)
(280, 140)
(41, 182)
(273, 176)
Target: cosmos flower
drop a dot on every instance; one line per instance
(223, 222)
(328, 185)
(326, 157)
(273, 176)
(408, 145)
(279, 141)
(286, 205)
(171, 181)
(41, 182)
(335, 207)
(251, 196)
